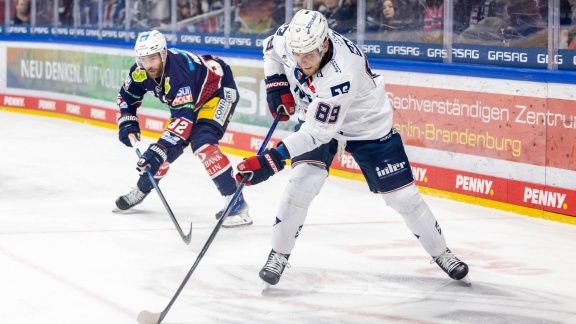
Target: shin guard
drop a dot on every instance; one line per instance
(218, 167)
(409, 203)
(305, 183)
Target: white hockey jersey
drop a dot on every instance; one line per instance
(343, 100)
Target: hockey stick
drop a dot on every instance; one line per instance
(185, 238)
(146, 317)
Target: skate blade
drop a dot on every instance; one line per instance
(466, 280)
(265, 286)
(234, 225)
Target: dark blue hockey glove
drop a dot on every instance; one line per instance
(153, 158)
(128, 124)
(259, 168)
(279, 96)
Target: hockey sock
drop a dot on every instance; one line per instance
(305, 183)
(409, 203)
(218, 167)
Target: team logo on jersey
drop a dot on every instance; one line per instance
(167, 85)
(340, 89)
(139, 75)
(183, 96)
(127, 82)
(299, 75)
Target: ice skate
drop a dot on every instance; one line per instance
(238, 215)
(130, 199)
(455, 268)
(272, 270)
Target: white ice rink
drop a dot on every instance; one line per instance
(66, 258)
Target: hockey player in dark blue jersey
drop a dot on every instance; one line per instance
(201, 94)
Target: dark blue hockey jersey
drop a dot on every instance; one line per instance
(189, 80)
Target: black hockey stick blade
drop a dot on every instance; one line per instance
(185, 238)
(146, 317)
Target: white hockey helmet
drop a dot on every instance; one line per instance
(307, 32)
(150, 42)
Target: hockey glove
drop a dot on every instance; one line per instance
(152, 159)
(128, 124)
(259, 168)
(279, 96)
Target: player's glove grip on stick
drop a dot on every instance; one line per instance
(128, 124)
(153, 158)
(279, 96)
(259, 168)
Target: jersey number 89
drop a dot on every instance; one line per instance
(327, 114)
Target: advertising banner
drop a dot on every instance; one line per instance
(492, 125)
(509, 130)
(100, 76)
(523, 56)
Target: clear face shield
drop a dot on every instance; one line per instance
(150, 60)
(310, 56)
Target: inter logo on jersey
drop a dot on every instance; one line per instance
(183, 96)
(390, 169)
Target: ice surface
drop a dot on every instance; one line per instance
(66, 258)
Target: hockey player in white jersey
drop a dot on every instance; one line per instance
(341, 101)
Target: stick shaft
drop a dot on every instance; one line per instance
(218, 225)
(185, 238)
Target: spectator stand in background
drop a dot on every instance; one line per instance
(2, 12)
(210, 18)
(433, 22)
(340, 14)
(513, 23)
(113, 13)
(392, 20)
(486, 24)
(21, 13)
(254, 17)
(463, 14)
(188, 9)
(158, 14)
(527, 27)
(568, 18)
(44, 12)
(66, 12)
